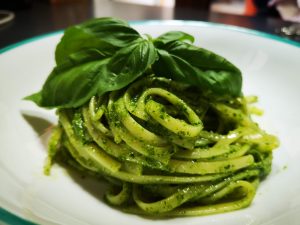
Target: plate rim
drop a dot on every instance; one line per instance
(14, 219)
(169, 23)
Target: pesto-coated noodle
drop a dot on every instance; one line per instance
(166, 149)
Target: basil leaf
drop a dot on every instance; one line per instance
(91, 72)
(127, 65)
(172, 36)
(105, 34)
(72, 83)
(200, 57)
(212, 74)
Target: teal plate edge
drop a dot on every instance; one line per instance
(11, 219)
(174, 23)
(29, 40)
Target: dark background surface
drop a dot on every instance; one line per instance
(35, 17)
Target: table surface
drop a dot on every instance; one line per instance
(42, 17)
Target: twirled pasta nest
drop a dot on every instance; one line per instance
(167, 150)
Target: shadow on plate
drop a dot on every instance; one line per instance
(39, 125)
(42, 127)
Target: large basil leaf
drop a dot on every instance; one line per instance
(91, 72)
(172, 36)
(72, 83)
(127, 65)
(105, 34)
(213, 74)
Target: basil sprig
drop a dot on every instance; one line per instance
(106, 54)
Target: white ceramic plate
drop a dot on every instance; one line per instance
(270, 67)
